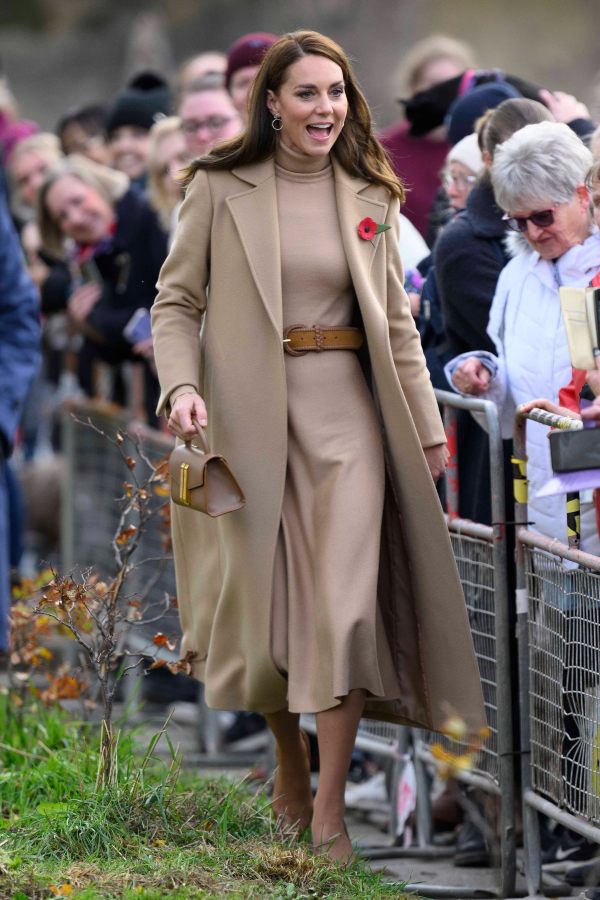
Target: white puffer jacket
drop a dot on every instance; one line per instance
(533, 358)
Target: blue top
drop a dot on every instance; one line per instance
(19, 329)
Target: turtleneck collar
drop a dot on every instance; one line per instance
(300, 163)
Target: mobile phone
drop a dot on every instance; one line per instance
(139, 327)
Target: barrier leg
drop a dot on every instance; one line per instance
(424, 816)
(531, 826)
(504, 691)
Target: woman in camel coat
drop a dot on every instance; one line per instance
(273, 628)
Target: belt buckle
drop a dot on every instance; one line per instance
(287, 340)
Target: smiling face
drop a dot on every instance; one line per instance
(459, 181)
(79, 210)
(171, 157)
(208, 117)
(571, 225)
(312, 105)
(28, 171)
(76, 139)
(129, 147)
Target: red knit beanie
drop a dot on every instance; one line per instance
(248, 51)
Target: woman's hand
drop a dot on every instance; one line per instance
(30, 239)
(145, 349)
(472, 377)
(186, 410)
(592, 412)
(592, 376)
(415, 303)
(564, 107)
(437, 459)
(548, 406)
(82, 301)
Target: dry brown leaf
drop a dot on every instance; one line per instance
(161, 640)
(125, 535)
(157, 664)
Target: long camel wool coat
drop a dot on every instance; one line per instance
(217, 325)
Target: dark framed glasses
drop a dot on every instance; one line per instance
(543, 219)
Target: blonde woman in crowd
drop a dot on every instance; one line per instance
(30, 161)
(167, 157)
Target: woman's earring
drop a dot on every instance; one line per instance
(276, 123)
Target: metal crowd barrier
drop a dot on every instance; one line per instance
(558, 624)
(481, 556)
(94, 476)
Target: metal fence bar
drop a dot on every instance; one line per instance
(451, 475)
(482, 548)
(503, 673)
(558, 627)
(94, 477)
(531, 831)
(481, 554)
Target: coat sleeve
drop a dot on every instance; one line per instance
(466, 271)
(182, 291)
(499, 391)
(406, 344)
(19, 331)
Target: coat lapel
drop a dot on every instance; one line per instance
(254, 212)
(353, 206)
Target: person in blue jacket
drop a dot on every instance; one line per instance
(19, 361)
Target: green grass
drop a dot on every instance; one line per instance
(155, 833)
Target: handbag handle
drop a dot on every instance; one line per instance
(201, 433)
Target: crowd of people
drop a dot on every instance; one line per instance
(502, 208)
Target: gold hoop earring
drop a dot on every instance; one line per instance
(276, 123)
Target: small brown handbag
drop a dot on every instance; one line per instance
(202, 480)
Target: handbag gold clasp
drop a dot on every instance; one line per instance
(184, 493)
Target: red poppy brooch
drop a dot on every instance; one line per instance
(367, 229)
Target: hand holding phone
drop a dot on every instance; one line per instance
(82, 301)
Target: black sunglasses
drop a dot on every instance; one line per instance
(542, 219)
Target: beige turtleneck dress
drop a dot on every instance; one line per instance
(327, 633)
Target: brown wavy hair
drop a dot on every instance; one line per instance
(356, 149)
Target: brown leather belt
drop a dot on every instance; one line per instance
(298, 339)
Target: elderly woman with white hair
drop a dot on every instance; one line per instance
(539, 177)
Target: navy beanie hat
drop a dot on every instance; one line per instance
(465, 110)
(142, 102)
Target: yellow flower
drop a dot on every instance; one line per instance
(455, 728)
